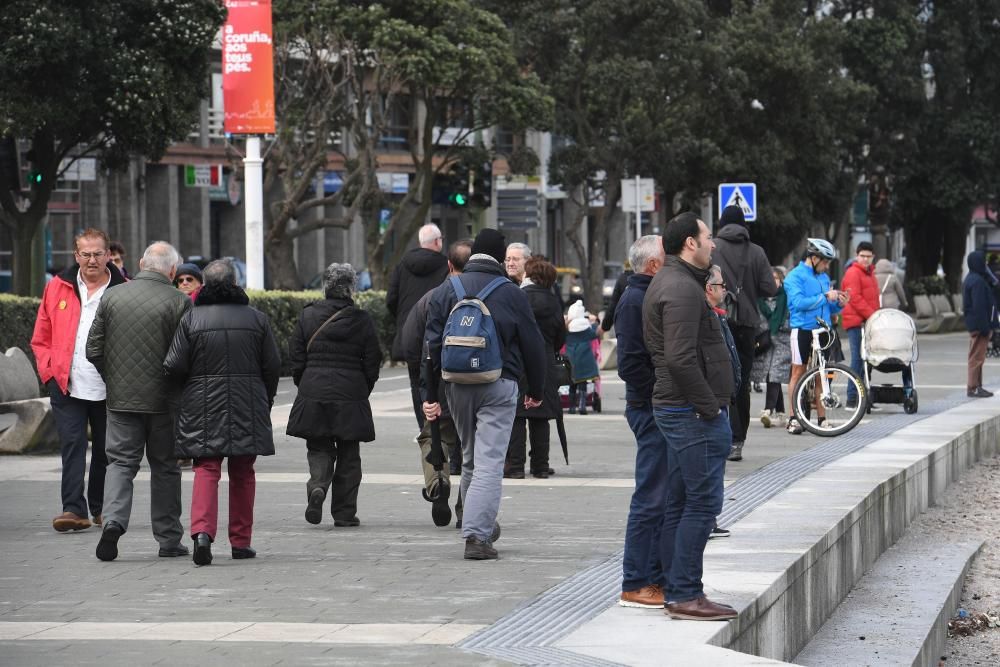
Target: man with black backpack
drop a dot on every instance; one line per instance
(482, 338)
(747, 275)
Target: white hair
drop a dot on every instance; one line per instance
(160, 257)
(523, 247)
(428, 234)
(644, 249)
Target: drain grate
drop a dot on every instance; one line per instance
(525, 635)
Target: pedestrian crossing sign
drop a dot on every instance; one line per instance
(743, 195)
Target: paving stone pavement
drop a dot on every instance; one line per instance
(396, 569)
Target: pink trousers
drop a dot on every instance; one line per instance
(205, 498)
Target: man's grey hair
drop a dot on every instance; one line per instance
(428, 234)
(219, 271)
(644, 249)
(160, 257)
(339, 281)
(523, 247)
(713, 270)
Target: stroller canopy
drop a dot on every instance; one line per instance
(890, 335)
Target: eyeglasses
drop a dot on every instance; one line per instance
(91, 255)
(722, 285)
(187, 279)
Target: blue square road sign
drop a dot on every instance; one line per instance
(743, 195)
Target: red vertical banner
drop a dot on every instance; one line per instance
(248, 68)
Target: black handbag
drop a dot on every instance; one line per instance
(562, 371)
(762, 342)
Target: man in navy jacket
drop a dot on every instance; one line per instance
(642, 576)
(484, 413)
(980, 314)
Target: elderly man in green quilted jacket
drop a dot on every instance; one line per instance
(128, 342)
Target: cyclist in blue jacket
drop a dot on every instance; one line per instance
(810, 297)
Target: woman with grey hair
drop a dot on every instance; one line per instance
(335, 360)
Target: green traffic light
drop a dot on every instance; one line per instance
(458, 199)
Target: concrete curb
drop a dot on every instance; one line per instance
(793, 560)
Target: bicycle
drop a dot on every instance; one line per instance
(819, 398)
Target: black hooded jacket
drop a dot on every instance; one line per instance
(225, 354)
(745, 270)
(420, 271)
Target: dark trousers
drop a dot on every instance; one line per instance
(418, 403)
(739, 416)
(641, 562)
(774, 399)
(578, 396)
(696, 465)
(130, 435)
(72, 415)
(538, 430)
(205, 498)
(337, 464)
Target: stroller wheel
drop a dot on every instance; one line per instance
(910, 405)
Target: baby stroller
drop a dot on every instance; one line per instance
(594, 393)
(993, 351)
(889, 345)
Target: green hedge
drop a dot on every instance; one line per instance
(17, 322)
(283, 309)
(17, 317)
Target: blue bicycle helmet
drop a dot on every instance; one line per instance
(821, 248)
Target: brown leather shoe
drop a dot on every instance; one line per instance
(69, 521)
(700, 609)
(647, 597)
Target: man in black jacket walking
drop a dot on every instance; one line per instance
(691, 393)
(484, 413)
(747, 275)
(421, 270)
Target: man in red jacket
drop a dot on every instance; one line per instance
(860, 281)
(76, 390)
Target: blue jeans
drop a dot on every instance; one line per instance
(72, 415)
(857, 364)
(696, 466)
(641, 564)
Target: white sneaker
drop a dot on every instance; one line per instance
(765, 418)
(794, 427)
(781, 419)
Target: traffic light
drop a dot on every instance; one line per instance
(34, 173)
(460, 187)
(482, 186)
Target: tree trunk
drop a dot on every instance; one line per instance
(953, 257)
(26, 271)
(281, 270)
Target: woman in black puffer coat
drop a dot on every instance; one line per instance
(225, 354)
(539, 276)
(335, 374)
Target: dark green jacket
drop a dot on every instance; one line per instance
(128, 342)
(775, 318)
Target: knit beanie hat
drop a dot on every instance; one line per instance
(732, 214)
(490, 242)
(189, 269)
(577, 316)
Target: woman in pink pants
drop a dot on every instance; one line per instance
(225, 354)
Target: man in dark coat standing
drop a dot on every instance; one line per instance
(980, 316)
(747, 275)
(421, 270)
(642, 574)
(484, 413)
(692, 391)
(225, 355)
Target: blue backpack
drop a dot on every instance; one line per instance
(471, 352)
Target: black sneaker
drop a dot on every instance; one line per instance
(314, 511)
(440, 511)
(735, 452)
(718, 532)
(107, 547)
(979, 392)
(794, 427)
(476, 549)
(352, 522)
